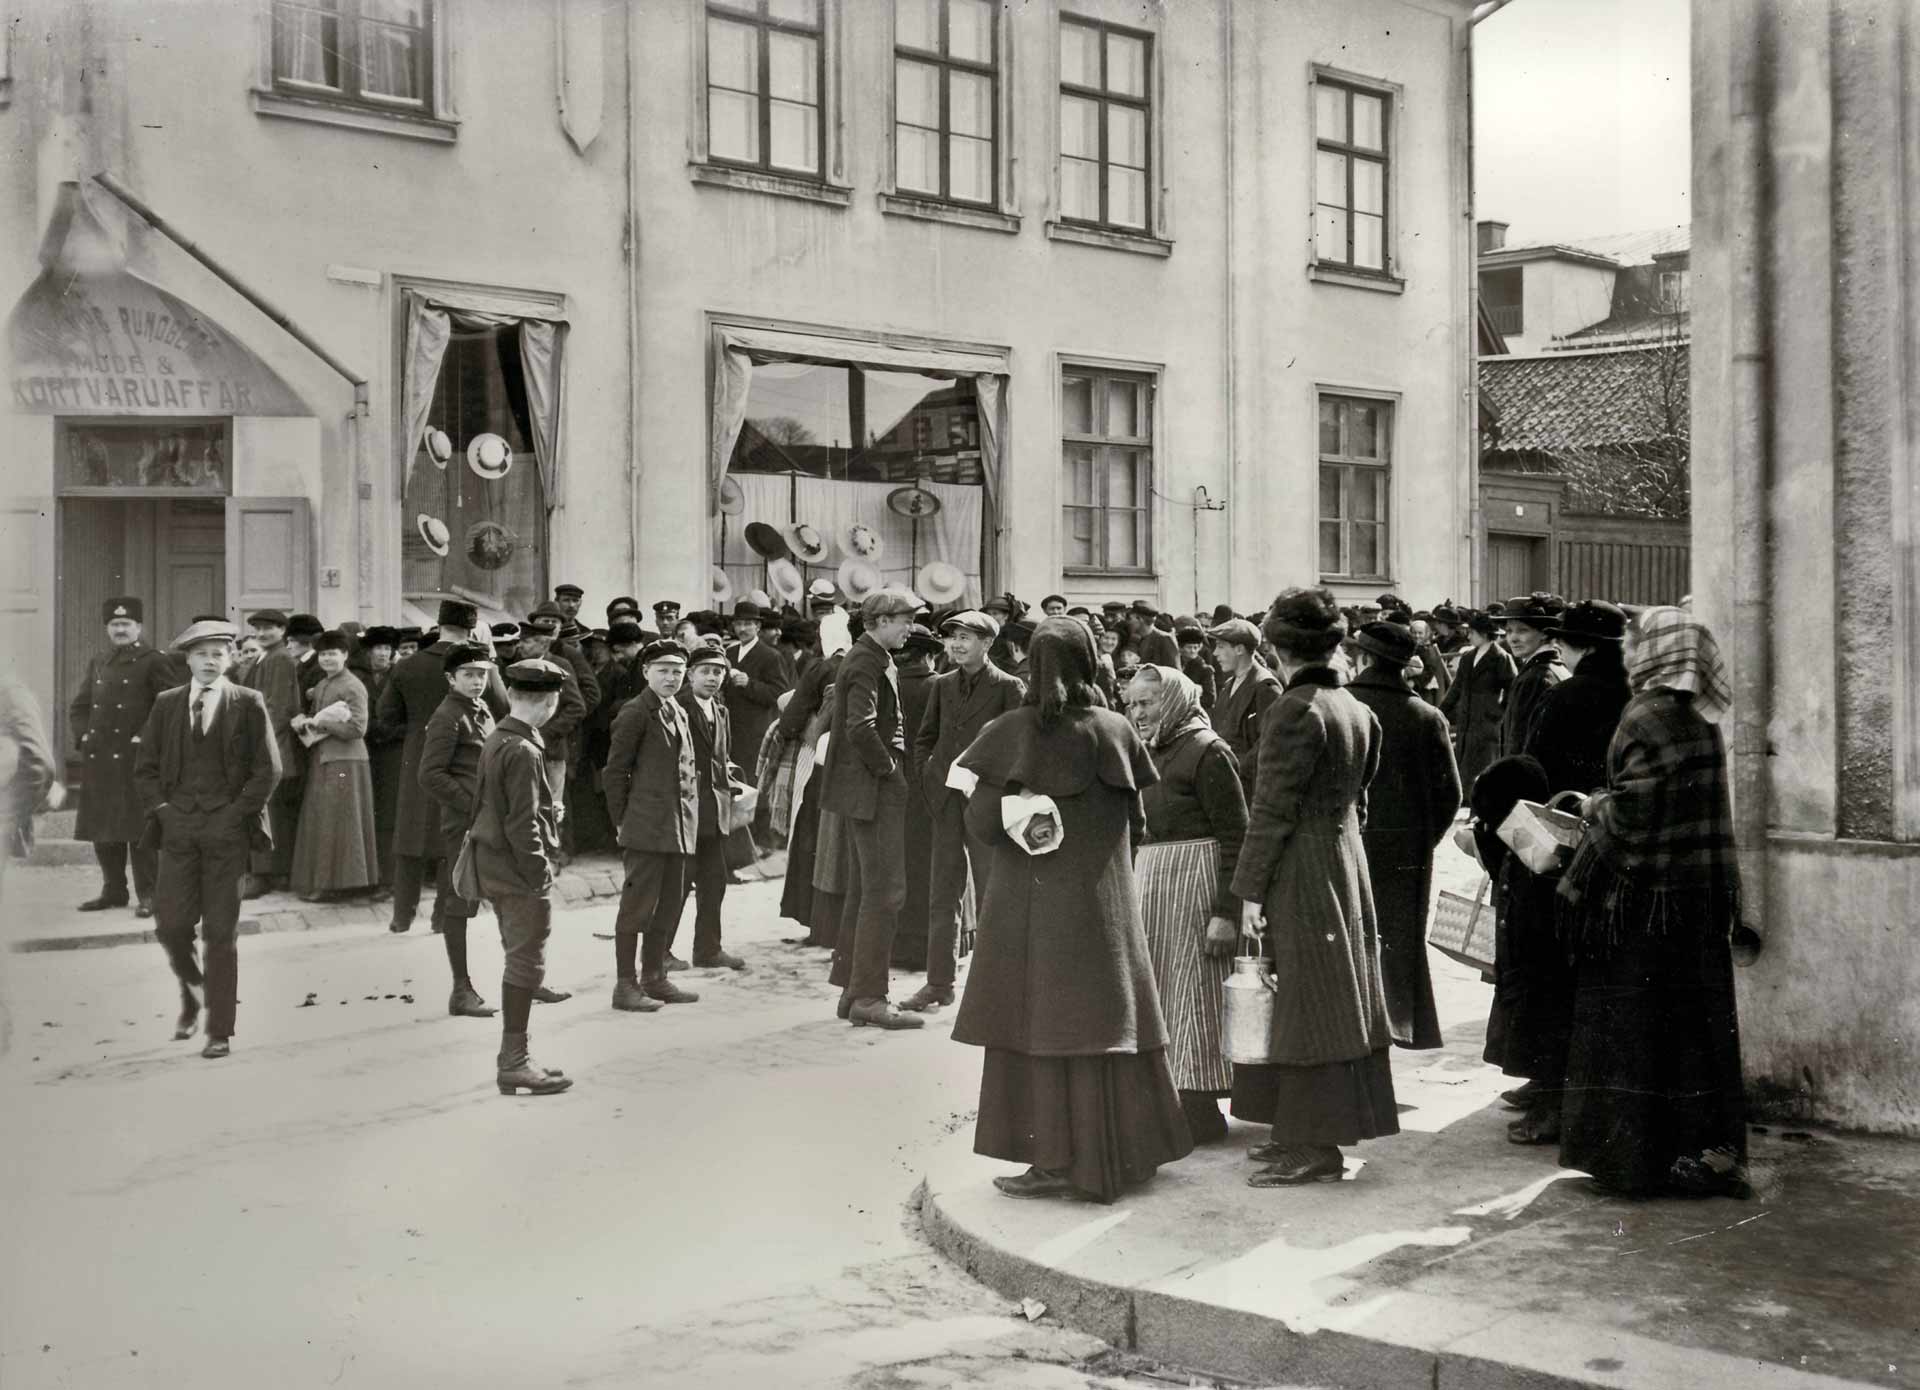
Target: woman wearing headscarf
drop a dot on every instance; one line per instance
(1196, 819)
(1654, 1100)
(1061, 995)
(1303, 878)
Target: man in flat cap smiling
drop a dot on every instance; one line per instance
(115, 698)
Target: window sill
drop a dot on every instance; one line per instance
(433, 129)
(1357, 279)
(761, 181)
(1367, 579)
(1137, 242)
(1084, 572)
(959, 214)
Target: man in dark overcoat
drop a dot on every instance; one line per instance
(206, 767)
(540, 640)
(963, 701)
(866, 782)
(755, 684)
(276, 676)
(386, 746)
(707, 671)
(1410, 806)
(1247, 689)
(1570, 732)
(653, 800)
(1530, 622)
(107, 712)
(418, 686)
(1477, 696)
(913, 673)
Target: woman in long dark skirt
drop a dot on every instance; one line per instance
(1061, 994)
(1654, 1101)
(1303, 877)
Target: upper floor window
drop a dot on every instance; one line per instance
(1107, 446)
(1105, 125)
(1356, 452)
(376, 52)
(1673, 291)
(1505, 294)
(766, 70)
(1351, 128)
(945, 103)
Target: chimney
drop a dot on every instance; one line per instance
(1493, 235)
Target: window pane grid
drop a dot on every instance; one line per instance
(1351, 182)
(1106, 118)
(945, 146)
(1355, 443)
(766, 77)
(368, 53)
(1106, 424)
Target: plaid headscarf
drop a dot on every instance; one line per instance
(1175, 701)
(1673, 651)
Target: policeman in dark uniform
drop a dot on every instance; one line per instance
(516, 834)
(112, 703)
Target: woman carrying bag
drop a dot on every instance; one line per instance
(335, 850)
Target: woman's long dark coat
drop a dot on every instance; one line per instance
(1474, 702)
(1410, 806)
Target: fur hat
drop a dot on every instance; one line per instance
(1304, 621)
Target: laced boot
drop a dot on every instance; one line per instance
(518, 1073)
(465, 1002)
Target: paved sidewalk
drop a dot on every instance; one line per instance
(1450, 1257)
(41, 904)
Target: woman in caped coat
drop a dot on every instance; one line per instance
(1410, 806)
(1303, 877)
(1196, 820)
(1061, 995)
(1476, 699)
(1654, 1098)
(334, 850)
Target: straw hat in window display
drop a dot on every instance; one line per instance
(784, 575)
(489, 456)
(433, 531)
(858, 578)
(719, 588)
(808, 545)
(732, 500)
(766, 542)
(439, 448)
(940, 583)
(862, 542)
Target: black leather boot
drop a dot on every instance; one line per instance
(518, 1073)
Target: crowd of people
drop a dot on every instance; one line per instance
(1189, 789)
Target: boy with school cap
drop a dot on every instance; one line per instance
(450, 776)
(713, 754)
(205, 769)
(516, 841)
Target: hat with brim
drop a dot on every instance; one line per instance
(719, 588)
(767, 542)
(784, 575)
(862, 542)
(706, 655)
(207, 631)
(433, 533)
(1486, 624)
(1589, 622)
(1536, 611)
(439, 448)
(1238, 631)
(489, 456)
(732, 500)
(922, 641)
(808, 545)
(1390, 642)
(858, 578)
(662, 651)
(939, 582)
(974, 621)
(535, 674)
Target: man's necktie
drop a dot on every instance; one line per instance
(199, 710)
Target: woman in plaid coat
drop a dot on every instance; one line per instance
(1654, 1100)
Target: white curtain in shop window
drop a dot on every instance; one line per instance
(430, 322)
(952, 534)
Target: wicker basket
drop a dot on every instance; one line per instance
(1462, 929)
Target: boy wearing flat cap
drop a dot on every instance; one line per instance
(713, 753)
(516, 841)
(206, 767)
(653, 800)
(450, 776)
(115, 697)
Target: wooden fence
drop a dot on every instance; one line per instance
(1623, 559)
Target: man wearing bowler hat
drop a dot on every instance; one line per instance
(113, 702)
(418, 688)
(755, 684)
(276, 676)
(964, 700)
(207, 764)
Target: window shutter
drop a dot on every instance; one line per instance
(269, 554)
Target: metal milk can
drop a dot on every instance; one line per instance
(1246, 1023)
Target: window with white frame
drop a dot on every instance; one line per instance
(1356, 461)
(1106, 120)
(766, 75)
(1107, 451)
(946, 102)
(1352, 125)
(376, 53)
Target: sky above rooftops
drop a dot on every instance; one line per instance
(1581, 118)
